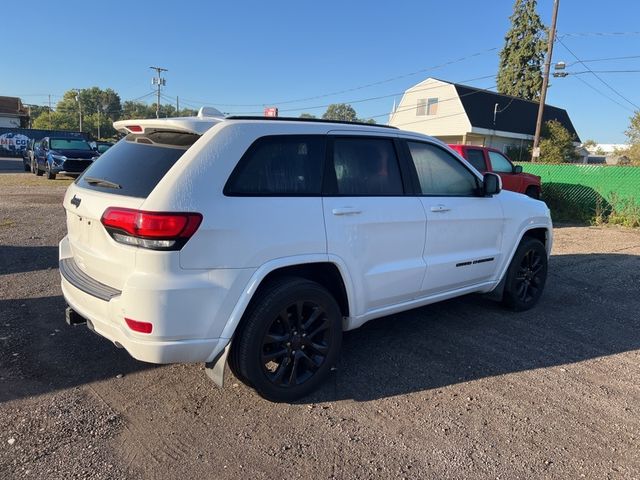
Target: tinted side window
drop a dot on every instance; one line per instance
(440, 173)
(500, 163)
(476, 158)
(280, 165)
(137, 162)
(366, 166)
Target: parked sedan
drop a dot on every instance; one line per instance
(68, 156)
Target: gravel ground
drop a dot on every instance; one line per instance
(461, 389)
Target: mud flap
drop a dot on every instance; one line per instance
(498, 292)
(215, 369)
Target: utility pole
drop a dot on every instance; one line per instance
(545, 83)
(160, 82)
(177, 106)
(99, 107)
(49, 110)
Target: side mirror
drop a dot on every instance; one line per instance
(517, 169)
(491, 184)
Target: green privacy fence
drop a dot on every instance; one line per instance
(590, 193)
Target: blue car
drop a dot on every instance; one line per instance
(67, 156)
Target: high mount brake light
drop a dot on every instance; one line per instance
(134, 128)
(153, 230)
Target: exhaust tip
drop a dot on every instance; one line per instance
(74, 318)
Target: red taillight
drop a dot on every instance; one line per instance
(134, 128)
(136, 326)
(156, 230)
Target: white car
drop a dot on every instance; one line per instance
(261, 240)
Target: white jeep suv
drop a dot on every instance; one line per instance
(259, 241)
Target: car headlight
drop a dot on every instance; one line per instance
(58, 158)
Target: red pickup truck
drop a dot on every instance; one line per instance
(486, 159)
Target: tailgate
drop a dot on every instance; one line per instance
(93, 250)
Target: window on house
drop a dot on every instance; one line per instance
(427, 106)
(432, 106)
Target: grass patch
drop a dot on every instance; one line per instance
(582, 205)
(30, 180)
(7, 223)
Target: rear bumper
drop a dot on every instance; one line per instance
(188, 310)
(103, 318)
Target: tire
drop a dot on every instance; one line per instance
(526, 276)
(50, 174)
(533, 192)
(288, 341)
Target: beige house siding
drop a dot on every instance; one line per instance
(449, 120)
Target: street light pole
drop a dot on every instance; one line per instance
(545, 83)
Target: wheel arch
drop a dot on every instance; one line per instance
(317, 268)
(540, 232)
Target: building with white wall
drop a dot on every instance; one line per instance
(457, 113)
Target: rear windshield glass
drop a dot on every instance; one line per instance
(68, 144)
(135, 165)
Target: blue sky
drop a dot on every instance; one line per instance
(238, 55)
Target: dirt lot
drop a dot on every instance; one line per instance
(462, 389)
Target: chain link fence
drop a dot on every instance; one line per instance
(590, 193)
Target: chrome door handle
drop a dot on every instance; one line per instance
(346, 211)
(439, 208)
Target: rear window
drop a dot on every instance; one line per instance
(136, 163)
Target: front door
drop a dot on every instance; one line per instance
(375, 230)
(464, 229)
(503, 167)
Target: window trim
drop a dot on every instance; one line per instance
(226, 191)
(416, 179)
(330, 183)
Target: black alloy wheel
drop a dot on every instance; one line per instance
(296, 344)
(288, 340)
(527, 275)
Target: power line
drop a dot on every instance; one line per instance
(598, 76)
(604, 59)
(603, 94)
(597, 34)
(339, 92)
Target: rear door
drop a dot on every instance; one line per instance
(475, 156)
(372, 224)
(122, 177)
(464, 230)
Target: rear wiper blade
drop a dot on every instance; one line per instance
(101, 182)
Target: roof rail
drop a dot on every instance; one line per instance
(311, 120)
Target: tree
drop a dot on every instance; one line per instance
(307, 115)
(341, 112)
(589, 144)
(521, 58)
(632, 153)
(556, 145)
